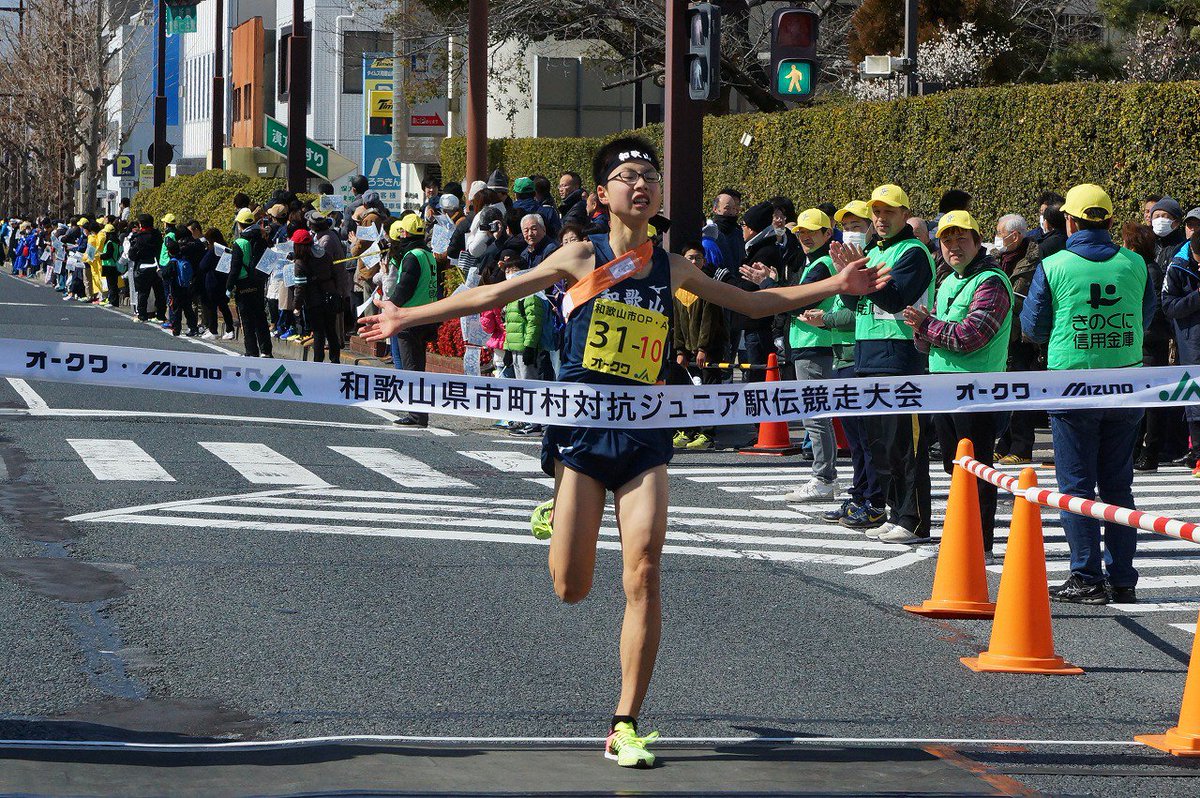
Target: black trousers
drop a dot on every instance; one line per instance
(1162, 434)
(980, 429)
(1018, 435)
(900, 453)
(181, 307)
(323, 324)
(147, 280)
(252, 310)
(111, 274)
(210, 303)
(412, 344)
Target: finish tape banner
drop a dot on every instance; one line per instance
(580, 405)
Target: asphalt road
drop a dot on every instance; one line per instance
(233, 576)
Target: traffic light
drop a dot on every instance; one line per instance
(704, 51)
(794, 65)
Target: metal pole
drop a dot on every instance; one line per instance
(402, 51)
(639, 103)
(160, 96)
(218, 87)
(910, 47)
(298, 83)
(683, 137)
(477, 54)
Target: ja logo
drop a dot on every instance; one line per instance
(1187, 389)
(277, 383)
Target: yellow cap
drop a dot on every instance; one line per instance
(1089, 202)
(813, 219)
(854, 208)
(889, 194)
(168, 219)
(244, 216)
(960, 219)
(410, 224)
(108, 228)
(82, 220)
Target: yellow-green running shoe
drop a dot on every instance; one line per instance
(681, 439)
(629, 750)
(539, 522)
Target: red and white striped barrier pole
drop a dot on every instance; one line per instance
(1073, 504)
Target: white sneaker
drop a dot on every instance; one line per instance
(812, 491)
(227, 336)
(876, 532)
(208, 336)
(898, 534)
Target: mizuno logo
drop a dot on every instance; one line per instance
(165, 368)
(278, 382)
(1187, 389)
(1086, 389)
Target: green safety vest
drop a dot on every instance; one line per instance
(954, 299)
(1097, 310)
(108, 255)
(806, 336)
(873, 324)
(426, 291)
(244, 246)
(163, 257)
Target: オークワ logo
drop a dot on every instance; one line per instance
(278, 382)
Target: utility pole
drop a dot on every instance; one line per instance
(477, 54)
(639, 102)
(683, 136)
(218, 87)
(910, 47)
(298, 85)
(160, 96)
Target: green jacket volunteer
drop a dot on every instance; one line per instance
(1091, 303)
(416, 284)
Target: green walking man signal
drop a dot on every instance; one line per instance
(794, 53)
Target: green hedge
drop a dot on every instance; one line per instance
(1003, 144)
(206, 197)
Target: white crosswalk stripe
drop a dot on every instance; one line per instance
(262, 465)
(119, 460)
(400, 468)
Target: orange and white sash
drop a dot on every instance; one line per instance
(605, 277)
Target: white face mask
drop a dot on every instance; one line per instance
(998, 245)
(1162, 227)
(854, 239)
(1042, 223)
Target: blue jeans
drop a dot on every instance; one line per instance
(1093, 449)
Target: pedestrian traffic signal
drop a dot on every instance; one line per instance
(704, 51)
(794, 62)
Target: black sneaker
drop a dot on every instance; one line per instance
(410, 421)
(835, 516)
(1187, 461)
(1076, 591)
(864, 516)
(1122, 595)
(1148, 464)
(525, 430)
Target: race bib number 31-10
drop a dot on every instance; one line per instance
(626, 341)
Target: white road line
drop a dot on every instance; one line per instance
(894, 563)
(119, 460)
(406, 471)
(111, 415)
(1182, 605)
(1142, 563)
(486, 537)
(24, 305)
(262, 465)
(36, 404)
(195, 341)
(508, 462)
(1160, 582)
(545, 482)
(1190, 628)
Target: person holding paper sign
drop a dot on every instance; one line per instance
(210, 284)
(245, 286)
(587, 462)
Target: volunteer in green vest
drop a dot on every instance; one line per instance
(416, 284)
(109, 252)
(245, 285)
(811, 351)
(967, 331)
(1091, 303)
(884, 348)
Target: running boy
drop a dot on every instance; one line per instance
(588, 462)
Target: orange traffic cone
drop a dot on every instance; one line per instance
(1022, 641)
(1183, 739)
(960, 588)
(773, 436)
